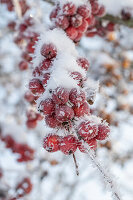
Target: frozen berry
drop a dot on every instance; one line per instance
(51, 143)
(51, 121)
(78, 77)
(49, 51)
(84, 11)
(82, 110)
(60, 95)
(47, 106)
(54, 13)
(31, 115)
(83, 27)
(45, 79)
(37, 72)
(103, 131)
(30, 47)
(77, 97)
(64, 113)
(24, 187)
(36, 87)
(45, 64)
(94, 7)
(71, 32)
(91, 21)
(68, 144)
(76, 20)
(83, 146)
(87, 130)
(69, 9)
(62, 22)
(83, 62)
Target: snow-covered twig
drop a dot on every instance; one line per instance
(105, 176)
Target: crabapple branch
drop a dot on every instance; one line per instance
(118, 20)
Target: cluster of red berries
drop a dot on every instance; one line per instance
(26, 37)
(26, 40)
(100, 29)
(65, 107)
(25, 152)
(88, 132)
(75, 20)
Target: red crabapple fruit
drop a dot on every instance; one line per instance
(103, 132)
(47, 106)
(68, 144)
(82, 110)
(64, 113)
(77, 97)
(87, 130)
(60, 95)
(51, 143)
(36, 86)
(48, 51)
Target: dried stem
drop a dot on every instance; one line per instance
(76, 165)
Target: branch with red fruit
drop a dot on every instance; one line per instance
(61, 86)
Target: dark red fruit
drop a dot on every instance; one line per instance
(62, 22)
(83, 27)
(71, 32)
(87, 130)
(76, 20)
(77, 97)
(51, 143)
(83, 62)
(29, 97)
(68, 144)
(78, 77)
(103, 132)
(45, 79)
(82, 110)
(83, 146)
(47, 106)
(45, 64)
(60, 95)
(84, 11)
(51, 121)
(49, 51)
(69, 9)
(23, 65)
(36, 87)
(37, 72)
(31, 124)
(64, 113)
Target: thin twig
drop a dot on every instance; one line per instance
(76, 165)
(118, 20)
(105, 175)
